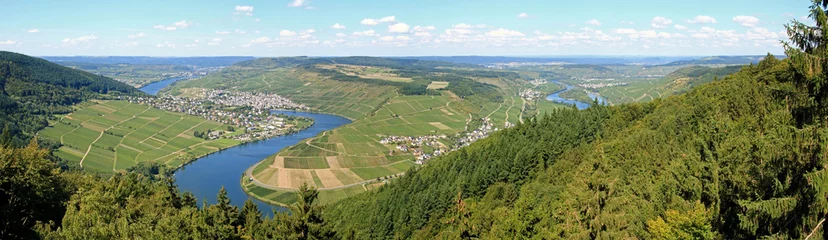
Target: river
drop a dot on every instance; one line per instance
(580, 105)
(205, 176)
(153, 88)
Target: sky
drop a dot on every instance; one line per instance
(397, 28)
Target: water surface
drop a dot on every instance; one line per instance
(580, 105)
(205, 176)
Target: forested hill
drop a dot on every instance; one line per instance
(734, 159)
(33, 89)
(688, 78)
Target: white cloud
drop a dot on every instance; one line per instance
(246, 10)
(372, 22)
(627, 22)
(83, 39)
(287, 33)
(424, 29)
(462, 26)
(369, 22)
(182, 24)
(33, 30)
(239, 31)
(625, 31)
(162, 27)
(500, 32)
(701, 19)
(298, 3)
(338, 26)
(523, 15)
(680, 27)
(708, 30)
(647, 34)
(399, 28)
(660, 22)
(462, 29)
(137, 35)
(257, 19)
(388, 19)
(165, 45)
(341, 35)
(262, 39)
(222, 32)
(7, 42)
(387, 38)
(176, 25)
(747, 21)
(366, 33)
(216, 40)
(422, 34)
(701, 35)
(593, 22)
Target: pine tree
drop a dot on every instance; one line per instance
(808, 53)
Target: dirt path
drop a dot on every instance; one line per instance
(498, 108)
(510, 108)
(268, 84)
(522, 108)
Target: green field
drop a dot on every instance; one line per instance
(107, 136)
(637, 91)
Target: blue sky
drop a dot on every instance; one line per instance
(396, 28)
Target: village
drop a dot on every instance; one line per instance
(260, 101)
(418, 145)
(601, 85)
(250, 111)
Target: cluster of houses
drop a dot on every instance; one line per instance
(414, 145)
(257, 123)
(481, 132)
(261, 101)
(602, 85)
(531, 95)
(538, 81)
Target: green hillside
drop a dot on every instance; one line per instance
(728, 159)
(33, 89)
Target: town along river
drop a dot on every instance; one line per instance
(580, 105)
(205, 176)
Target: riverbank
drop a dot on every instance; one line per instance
(205, 176)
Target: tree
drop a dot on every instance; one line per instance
(808, 53)
(305, 221)
(30, 191)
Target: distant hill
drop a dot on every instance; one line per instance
(359, 60)
(684, 79)
(33, 89)
(720, 60)
(484, 60)
(194, 61)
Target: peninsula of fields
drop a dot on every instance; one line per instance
(107, 136)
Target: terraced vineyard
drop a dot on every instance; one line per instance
(107, 136)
